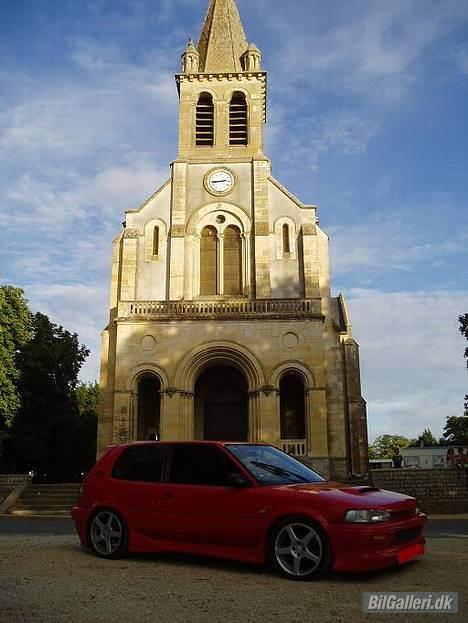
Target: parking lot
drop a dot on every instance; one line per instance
(47, 577)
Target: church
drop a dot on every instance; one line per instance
(222, 324)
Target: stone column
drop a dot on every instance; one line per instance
(262, 229)
(220, 261)
(269, 428)
(310, 261)
(188, 420)
(317, 441)
(122, 417)
(129, 265)
(170, 415)
(177, 231)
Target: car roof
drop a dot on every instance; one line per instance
(191, 443)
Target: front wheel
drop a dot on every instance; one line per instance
(108, 534)
(300, 550)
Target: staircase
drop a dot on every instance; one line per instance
(52, 500)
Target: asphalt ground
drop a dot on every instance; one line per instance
(46, 577)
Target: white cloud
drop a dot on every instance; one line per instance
(413, 371)
(367, 47)
(389, 244)
(306, 139)
(80, 308)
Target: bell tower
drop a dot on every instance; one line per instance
(222, 91)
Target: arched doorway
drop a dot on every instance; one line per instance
(221, 405)
(292, 407)
(149, 407)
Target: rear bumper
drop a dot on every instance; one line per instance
(80, 516)
(359, 547)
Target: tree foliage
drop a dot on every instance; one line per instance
(456, 431)
(15, 331)
(426, 437)
(385, 445)
(45, 432)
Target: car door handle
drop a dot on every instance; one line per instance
(167, 496)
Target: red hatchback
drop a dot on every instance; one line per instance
(249, 502)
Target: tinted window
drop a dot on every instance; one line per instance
(270, 466)
(201, 465)
(142, 463)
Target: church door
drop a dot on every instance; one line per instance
(221, 405)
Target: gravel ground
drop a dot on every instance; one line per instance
(48, 579)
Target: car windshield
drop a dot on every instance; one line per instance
(270, 466)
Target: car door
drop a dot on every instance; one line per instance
(199, 506)
(137, 485)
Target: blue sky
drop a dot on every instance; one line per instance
(367, 118)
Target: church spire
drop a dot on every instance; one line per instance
(222, 41)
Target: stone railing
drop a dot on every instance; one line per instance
(221, 309)
(295, 447)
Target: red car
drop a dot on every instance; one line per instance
(242, 501)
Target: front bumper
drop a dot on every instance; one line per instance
(363, 547)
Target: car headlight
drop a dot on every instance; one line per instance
(367, 516)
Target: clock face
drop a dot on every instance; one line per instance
(220, 181)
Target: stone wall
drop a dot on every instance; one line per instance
(438, 491)
(9, 482)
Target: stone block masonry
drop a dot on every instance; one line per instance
(437, 491)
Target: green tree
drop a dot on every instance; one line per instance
(426, 437)
(464, 331)
(45, 430)
(456, 431)
(15, 331)
(84, 453)
(385, 445)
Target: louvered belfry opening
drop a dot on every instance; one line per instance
(209, 262)
(205, 121)
(238, 130)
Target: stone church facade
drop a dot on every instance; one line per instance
(222, 324)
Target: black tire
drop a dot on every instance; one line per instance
(300, 550)
(108, 534)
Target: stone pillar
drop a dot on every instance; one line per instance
(310, 261)
(171, 415)
(122, 432)
(317, 441)
(177, 231)
(262, 229)
(220, 267)
(188, 416)
(269, 428)
(129, 265)
(357, 417)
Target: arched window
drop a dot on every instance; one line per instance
(149, 407)
(209, 261)
(205, 121)
(156, 241)
(286, 243)
(232, 261)
(292, 407)
(238, 130)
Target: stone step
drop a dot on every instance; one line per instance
(29, 513)
(56, 499)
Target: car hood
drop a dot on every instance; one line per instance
(356, 496)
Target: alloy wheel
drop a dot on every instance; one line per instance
(298, 549)
(107, 533)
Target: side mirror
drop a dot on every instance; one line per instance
(238, 481)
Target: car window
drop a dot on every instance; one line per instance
(270, 466)
(141, 463)
(201, 465)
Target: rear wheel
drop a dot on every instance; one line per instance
(108, 534)
(300, 550)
